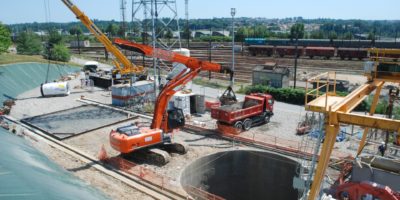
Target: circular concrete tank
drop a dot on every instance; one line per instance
(242, 174)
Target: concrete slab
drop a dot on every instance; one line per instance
(67, 123)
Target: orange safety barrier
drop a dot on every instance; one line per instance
(102, 156)
(163, 182)
(227, 129)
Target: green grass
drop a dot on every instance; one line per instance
(8, 58)
(208, 83)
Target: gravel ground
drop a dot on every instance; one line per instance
(112, 187)
(31, 103)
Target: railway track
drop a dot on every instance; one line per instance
(244, 63)
(130, 180)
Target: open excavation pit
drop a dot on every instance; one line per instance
(242, 174)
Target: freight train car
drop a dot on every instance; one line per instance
(261, 50)
(324, 43)
(311, 52)
(288, 51)
(326, 52)
(255, 41)
(351, 53)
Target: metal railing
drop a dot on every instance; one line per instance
(324, 80)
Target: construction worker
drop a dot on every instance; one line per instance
(382, 148)
(345, 195)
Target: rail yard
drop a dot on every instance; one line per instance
(156, 115)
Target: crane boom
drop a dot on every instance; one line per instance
(123, 65)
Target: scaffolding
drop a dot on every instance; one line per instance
(158, 19)
(309, 148)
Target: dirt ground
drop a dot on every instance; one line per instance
(110, 186)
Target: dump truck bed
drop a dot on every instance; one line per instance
(229, 114)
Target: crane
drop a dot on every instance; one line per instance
(122, 64)
(338, 109)
(132, 138)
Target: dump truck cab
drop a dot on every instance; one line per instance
(268, 101)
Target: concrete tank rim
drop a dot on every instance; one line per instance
(241, 149)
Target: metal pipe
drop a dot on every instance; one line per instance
(233, 12)
(154, 47)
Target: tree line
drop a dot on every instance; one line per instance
(30, 43)
(258, 27)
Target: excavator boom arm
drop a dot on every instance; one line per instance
(192, 63)
(195, 65)
(127, 67)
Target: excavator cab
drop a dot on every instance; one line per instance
(176, 118)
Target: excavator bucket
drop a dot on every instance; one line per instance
(228, 97)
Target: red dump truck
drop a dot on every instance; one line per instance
(255, 109)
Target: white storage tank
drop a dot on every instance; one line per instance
(178, 67)
(55, 89)
(182, 101)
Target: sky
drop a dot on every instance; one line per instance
(21, 11)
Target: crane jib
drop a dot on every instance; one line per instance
(68, 3)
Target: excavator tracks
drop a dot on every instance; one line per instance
(179, 148)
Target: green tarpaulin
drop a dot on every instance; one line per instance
(26, 173)
(18, 78)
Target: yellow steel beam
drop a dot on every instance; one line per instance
(323, 161)
(393, 77)
(371, 112)
(355, 98)
(369, 121)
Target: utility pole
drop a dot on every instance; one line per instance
(295, 61)
(187, 22)
(153, 35)
(233, 12)
(123, 18)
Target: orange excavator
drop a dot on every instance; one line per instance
(156, 141)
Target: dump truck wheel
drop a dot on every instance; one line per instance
(266, 117)
(238, 125)
(247, 124)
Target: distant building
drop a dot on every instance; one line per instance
(84, 43)
(199, 33)
(41, 33)
(271, 74)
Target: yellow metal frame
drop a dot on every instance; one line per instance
(383, 56)
(122, 63)
(338, 110)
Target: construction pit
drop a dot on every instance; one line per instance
(182, 171)
(229, 174)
